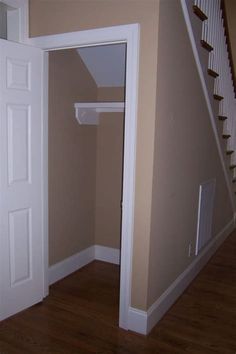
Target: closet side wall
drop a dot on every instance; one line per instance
(109, 171)
(72, 158)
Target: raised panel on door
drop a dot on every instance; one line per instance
(19, 143)
(18, 74)
(21, 237)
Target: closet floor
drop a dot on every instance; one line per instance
(92, 291)
(80, 316)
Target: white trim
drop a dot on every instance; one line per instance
(13, 25)
(205, 91)
(22, 12)
(44, 165)
(88, 38)
(138, 320)
(71, 264)
(128, 198)
(128, 34)
(107, 254)
(141, 321)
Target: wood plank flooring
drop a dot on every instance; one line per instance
(80, 316)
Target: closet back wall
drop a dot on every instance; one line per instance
(109, 171)
(72, 157)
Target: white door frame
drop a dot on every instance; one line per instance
(17, 20)
(128, 34)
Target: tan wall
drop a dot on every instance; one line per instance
(109, 180)
(185, 155)
(109, 171)
(50, 17)
(72, 158)
(115, 94)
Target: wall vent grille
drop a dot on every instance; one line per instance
(205, 213)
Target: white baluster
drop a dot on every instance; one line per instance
(213, 32)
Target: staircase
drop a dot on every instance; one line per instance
(208, 32)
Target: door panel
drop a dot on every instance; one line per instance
(19, 134)
(18, 74)
(21, 237)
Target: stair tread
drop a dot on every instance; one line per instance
(212, 73)
(199, 13)
(229, 152)
(206, 45)
(222, 117)
(218, 97)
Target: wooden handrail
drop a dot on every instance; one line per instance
(224, 14)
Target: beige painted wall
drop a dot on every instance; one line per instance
(51, 17)
(72, 158)
(109, 171)
(109, 180)
(113, 94)
(185, 155)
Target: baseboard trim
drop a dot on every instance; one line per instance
(137, 320)
(73, 263)
(167, 299)
(107, 254)
(69, 265)
(141, 321)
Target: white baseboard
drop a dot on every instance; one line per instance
(69, 265)
(141, 321)
(137, 320)
(107, 254)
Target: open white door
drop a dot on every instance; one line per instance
(21, 235)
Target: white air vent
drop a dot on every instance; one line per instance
(205, 212)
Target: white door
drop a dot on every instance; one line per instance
(21, 235)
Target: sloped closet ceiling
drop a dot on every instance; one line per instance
(105, 63)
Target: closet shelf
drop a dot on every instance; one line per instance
(88, 113)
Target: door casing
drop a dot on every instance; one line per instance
(128, 34)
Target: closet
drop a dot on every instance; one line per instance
(85, 161)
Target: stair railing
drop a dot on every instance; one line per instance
(214, 34)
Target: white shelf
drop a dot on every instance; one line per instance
(88, 113)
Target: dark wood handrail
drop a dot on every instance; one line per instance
(224, 14)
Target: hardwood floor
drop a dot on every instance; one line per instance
(81, 315)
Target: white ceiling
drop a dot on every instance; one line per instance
(105, 63)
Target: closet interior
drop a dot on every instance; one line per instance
(85, 143)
